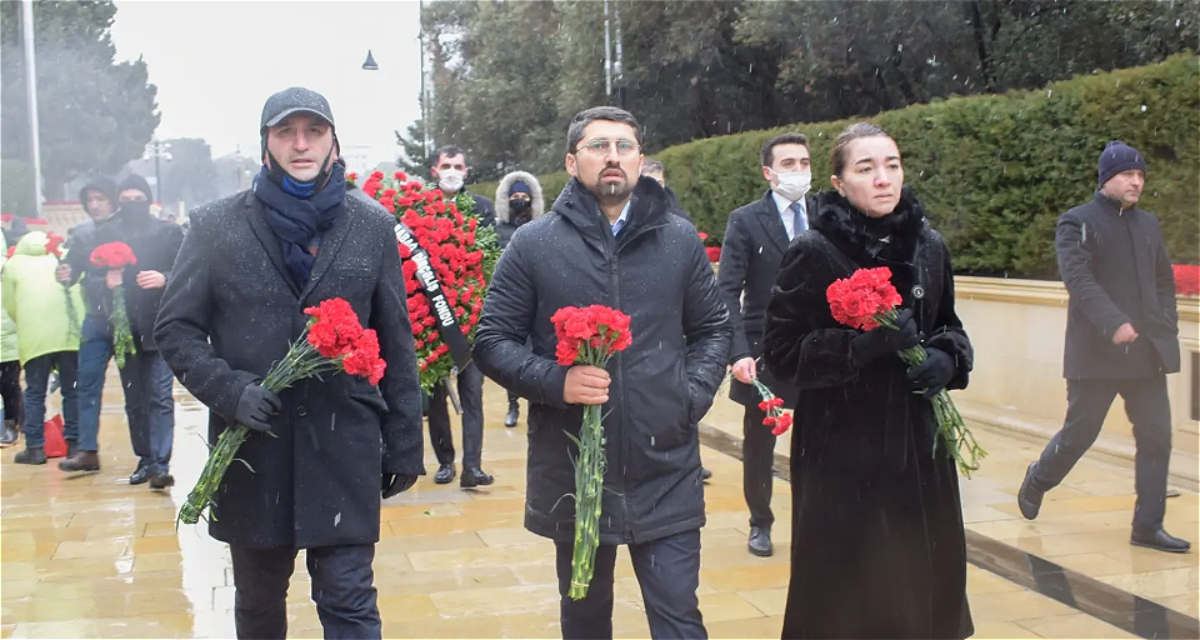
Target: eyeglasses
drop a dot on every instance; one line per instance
(600, 147)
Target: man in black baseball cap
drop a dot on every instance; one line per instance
(300, 172)
(322, 454)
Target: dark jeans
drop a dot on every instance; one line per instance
(342, 587)
(150, 409)
(1148, 408)
(758, 460)
(10, 389)
(470, 393)
(668, 570)
(95, 349)
(37, 378)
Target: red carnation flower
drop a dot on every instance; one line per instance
(113, 255)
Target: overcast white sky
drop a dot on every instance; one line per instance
(216, 61)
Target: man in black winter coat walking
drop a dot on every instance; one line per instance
(145, 378)
(1122, 338)
(337, 444)
(611, 240)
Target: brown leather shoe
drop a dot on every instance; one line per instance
(82, 461)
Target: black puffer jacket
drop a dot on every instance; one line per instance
(656, 271)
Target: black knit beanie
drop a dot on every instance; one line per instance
(1118, 157)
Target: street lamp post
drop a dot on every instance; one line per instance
(31, 91)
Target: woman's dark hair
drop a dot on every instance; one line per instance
(837, 157)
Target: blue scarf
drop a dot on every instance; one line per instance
(300, 221)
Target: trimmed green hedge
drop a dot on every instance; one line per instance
(994, 172)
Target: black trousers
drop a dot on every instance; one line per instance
(10, 389)
(342, 587)
(668, 570)
(1148, 408)
(470, 393)
(758, 459)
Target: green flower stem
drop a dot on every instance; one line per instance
(123, 345)
(952, 430)
(589, 485)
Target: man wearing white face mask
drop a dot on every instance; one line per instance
(450, 170)
(755, 239)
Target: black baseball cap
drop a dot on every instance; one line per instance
(295, 100)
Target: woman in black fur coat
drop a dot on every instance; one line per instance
(878, 549)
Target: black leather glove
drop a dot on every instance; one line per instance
(883, 341)
(256, 406)
(394, 483)
(934, 374)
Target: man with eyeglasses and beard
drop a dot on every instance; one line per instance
(611, 240)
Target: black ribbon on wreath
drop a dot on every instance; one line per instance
(447, 324)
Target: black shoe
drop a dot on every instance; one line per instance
(475, 478)
(9, 436)
(760, 542)
(514, 414)
(82, 461)
(705, 474)
(31, 455)
(161, 480)
(1029, 498)
(445, 474)
(72, 448)
(1160, 540)
(141, 476)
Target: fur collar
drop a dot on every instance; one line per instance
(539, 206)
(868, 240)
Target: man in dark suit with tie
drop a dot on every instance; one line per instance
(755, 239)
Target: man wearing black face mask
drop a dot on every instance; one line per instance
(250, 265)
(518, 200)
(146, 379)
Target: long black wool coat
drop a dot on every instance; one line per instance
(230, 312)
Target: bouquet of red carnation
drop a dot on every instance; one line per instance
(117, 256)
(867, 300)
(461, 253)
(777, 419)
(1187, 279)
(711, 247)
(588, 336)
(54, 243)
(334, 340)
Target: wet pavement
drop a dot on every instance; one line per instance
(94, 557)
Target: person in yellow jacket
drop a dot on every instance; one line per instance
(37, 304)
(10, 369)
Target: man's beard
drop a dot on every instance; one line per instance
(612, 191)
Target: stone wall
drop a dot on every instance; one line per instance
(1018, 329)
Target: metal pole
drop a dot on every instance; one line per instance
(31, 91)
(424, 96)
(607, 54)
(157, 173)
(619, 71)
